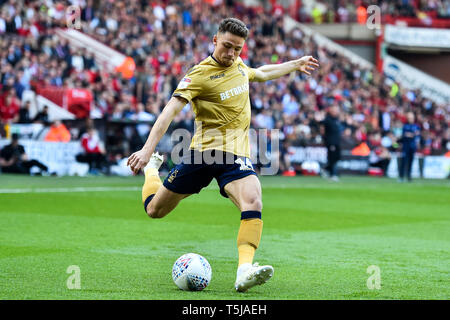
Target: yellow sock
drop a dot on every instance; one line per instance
(246, 253)
(248, 239)
(151, 184)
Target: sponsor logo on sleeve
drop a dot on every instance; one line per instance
(184, 83)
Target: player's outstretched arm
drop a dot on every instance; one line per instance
(274, 71)
(139, 159)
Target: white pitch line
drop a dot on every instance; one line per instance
(211, 187)
(74, 189)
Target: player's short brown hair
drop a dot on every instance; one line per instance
(233, 26)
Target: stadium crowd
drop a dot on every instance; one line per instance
(344, 11)
(166, 38)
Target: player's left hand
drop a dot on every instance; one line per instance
(138, 161)
(307, 63)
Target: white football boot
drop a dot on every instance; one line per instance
(156, 161)
(254, 275)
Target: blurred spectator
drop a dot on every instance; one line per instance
(347, 140)
(332, 136)
(317, 15)
(410, 141)
(361, 14)
(58, 133)
(94, 152)
(24, 113)
(385, 120)
(13, 159)
(42, 116)
(380, 157)
(290, 105)
(9, 107)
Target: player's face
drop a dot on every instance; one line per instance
(228, 47)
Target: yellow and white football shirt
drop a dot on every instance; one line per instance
(220, 100)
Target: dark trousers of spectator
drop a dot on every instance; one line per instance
(24, 167)
(95, 160)
(333, 156)
(383, 164)
(406, 163)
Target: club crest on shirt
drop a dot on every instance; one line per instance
(240, 70)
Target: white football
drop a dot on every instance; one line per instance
(191, 272)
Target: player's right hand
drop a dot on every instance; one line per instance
(138, 161)
(307, 63)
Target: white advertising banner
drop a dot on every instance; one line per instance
(412, 78)
(436, 167)
(59, 157)
(301, 154)
(417, 37)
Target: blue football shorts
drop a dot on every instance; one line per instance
(196, 171)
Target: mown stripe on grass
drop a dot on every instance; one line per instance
(68, 190)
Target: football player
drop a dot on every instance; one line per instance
(218, 90)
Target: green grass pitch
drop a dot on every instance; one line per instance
(320, 237)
